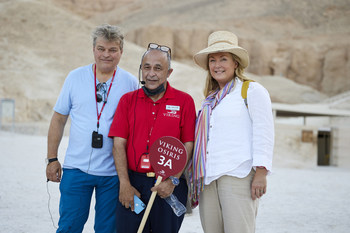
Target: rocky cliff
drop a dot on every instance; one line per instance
(42, 40)
(305, 41)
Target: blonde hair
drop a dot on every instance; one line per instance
(211, 85)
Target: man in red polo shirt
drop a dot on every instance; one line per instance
(142, 117)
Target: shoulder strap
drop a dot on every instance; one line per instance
(244, 91)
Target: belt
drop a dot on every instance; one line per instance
(148, 174)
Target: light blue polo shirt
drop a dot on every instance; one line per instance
(77, 99)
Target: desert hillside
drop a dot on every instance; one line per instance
(299, 51)
(305, 41)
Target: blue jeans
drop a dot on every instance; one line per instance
(76, 190)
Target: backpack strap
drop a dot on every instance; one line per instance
(244, 91)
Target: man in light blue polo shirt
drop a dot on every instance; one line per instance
(90, 96)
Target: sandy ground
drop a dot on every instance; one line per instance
(298, 200)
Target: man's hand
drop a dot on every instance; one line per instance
(126, 195)
(54, 171)
(164, 189)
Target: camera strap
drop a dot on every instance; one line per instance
(104, 103)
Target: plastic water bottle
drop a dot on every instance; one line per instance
(178, 208)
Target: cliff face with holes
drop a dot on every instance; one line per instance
(307, 42)
(321, 63)
(299, 50)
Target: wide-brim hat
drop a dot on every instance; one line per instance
(222, 41)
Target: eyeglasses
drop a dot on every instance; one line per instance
(101, 92)
(163, 48)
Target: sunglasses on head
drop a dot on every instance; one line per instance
(163, 48)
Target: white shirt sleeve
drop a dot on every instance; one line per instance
(260, 111)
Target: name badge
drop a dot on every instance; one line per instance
(145, 162)
(172, 108)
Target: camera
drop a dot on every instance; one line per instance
(97, 140)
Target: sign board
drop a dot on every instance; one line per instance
(307, 136)
(168, 156)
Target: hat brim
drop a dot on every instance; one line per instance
(201, 58)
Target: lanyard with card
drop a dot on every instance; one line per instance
(145, 161)
(97, 139)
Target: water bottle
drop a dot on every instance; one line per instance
(178, 208)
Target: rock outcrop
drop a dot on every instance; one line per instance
(41, 41)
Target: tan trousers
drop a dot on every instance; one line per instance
(226, 206)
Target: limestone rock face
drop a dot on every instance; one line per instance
(156, 34)
(336, 70)
(317, 63)
(305, 65)
(86, 9)
(307, 42)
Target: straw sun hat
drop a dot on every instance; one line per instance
(222, 41)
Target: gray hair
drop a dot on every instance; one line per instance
(167, 55)
(108, 32)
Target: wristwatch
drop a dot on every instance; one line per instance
(174, 180)
(48, 161)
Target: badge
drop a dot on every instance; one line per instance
(145, 163)
(172, 107)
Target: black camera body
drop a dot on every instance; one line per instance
(97, 140)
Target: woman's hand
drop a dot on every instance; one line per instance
(259, 183)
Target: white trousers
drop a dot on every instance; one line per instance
(226, 206)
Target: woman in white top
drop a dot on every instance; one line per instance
(234, 140)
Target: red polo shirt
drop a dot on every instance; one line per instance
(141, 121)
